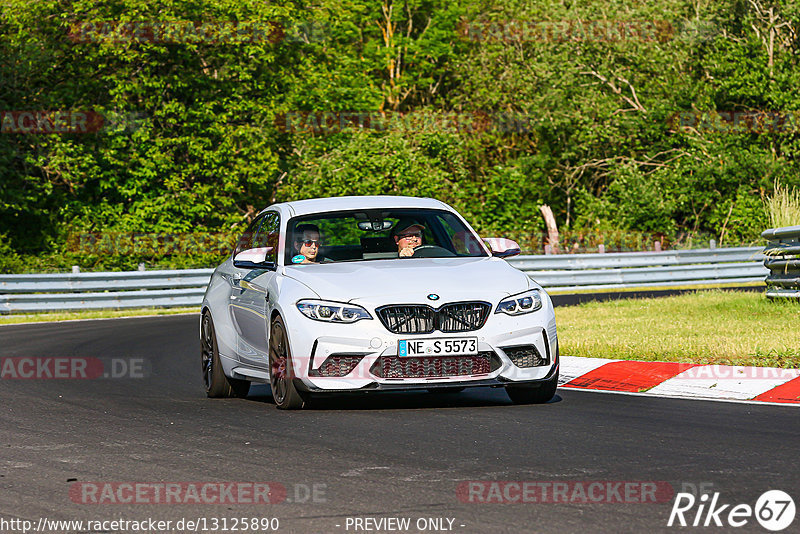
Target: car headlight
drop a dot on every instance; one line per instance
(527, 302)
(332, 312)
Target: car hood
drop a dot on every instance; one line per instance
(379, 282)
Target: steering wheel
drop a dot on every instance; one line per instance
(432, 251)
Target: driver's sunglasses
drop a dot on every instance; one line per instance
(308, 242)
(409, 235)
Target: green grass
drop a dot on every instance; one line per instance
(707, 327)
(98, 314)
(689, 287)
(783, 207)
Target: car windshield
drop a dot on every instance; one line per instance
(379, 235)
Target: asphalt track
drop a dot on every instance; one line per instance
(387, 455)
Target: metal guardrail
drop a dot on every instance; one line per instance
(573, 272)
(783, 261)
(20, 293)
(120, 281)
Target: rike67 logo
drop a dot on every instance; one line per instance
(774, 510)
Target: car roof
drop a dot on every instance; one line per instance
(318, 205)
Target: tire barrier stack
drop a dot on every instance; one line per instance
(783, 261)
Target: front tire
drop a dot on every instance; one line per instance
(281, 375)
(533, 395)
(217, 384)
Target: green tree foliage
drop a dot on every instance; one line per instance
(607, 111)
(193, 147)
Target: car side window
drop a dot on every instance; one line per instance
(267, 236)
(246, 240)
(461, 242)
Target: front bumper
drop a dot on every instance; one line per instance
(368, 343)
(379, 386)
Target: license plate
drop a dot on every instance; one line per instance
(451, 346)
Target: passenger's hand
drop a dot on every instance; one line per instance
(407, 252)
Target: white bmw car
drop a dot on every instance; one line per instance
(362, 294)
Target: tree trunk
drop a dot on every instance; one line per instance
(552, 228)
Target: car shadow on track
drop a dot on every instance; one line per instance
(399, 400)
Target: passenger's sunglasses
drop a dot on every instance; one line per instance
(308, 242)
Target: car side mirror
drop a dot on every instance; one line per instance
(502, 248)
(253, 258)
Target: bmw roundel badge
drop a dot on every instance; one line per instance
(433, 296)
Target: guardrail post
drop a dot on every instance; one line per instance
(76, 269)
(601, 248)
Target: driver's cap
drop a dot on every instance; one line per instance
(405, 224)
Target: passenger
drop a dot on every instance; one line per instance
(306, 243)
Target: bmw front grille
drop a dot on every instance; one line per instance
(422, 319)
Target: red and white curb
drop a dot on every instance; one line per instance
(670, 379)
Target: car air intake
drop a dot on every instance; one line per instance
(422, 319)
(430, 366)
(525, 356)
(337, 365)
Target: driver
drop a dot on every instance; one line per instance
(407, 235)
(306, 244)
